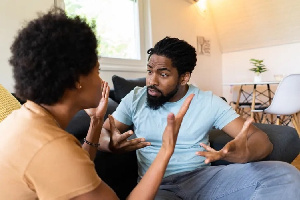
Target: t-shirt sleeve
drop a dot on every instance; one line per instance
(61, 170)
(123, 112)
(224, 113)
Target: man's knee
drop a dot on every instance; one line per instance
(271, 173)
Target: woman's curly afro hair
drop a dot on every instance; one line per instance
(50, 54)
(182, 54)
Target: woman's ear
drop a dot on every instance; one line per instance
(78, 85)
(185, 78)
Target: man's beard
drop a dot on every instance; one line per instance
(154, 102)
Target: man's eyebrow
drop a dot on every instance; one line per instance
(164, 69)
(160, 69)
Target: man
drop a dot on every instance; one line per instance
(189, 174)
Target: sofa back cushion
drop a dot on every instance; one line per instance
(123, 86)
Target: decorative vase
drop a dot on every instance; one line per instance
(257, 78)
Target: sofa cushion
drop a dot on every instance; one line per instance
(123, 86)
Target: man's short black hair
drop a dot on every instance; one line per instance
(182, 54)
(50, 54)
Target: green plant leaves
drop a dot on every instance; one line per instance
(259, 67)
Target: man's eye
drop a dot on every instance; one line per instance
(149, 72)
(164, 75)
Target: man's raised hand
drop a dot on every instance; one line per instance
(119, 143)
(234, 151)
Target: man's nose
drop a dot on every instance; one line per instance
(153, 80)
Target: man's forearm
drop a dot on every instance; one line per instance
(259, 145)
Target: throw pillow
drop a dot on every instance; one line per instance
(123, 86)
(8, 103)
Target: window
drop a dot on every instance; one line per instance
(118, 28)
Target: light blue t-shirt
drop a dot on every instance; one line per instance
(206, 111)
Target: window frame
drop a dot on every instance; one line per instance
(119, 64)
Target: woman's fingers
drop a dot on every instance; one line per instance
(184, 107)
(105, 91)
(170, 123)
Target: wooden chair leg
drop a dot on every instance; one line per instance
(296, 123)
(238, 111)
(256, 117)
(241, 111)
(271, 118)
(263, 118)
(278, 120)
(296, 116)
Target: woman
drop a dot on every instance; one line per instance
(56, 69)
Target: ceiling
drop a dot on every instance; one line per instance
(244, 24)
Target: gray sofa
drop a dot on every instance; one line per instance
(119, 171)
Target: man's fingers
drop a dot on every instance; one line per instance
(210, 156)
(134, 144)
(230, 146)
(125, 135)
(112, 123)
(207, 148)
(246, 126)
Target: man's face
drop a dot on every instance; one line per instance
(162, 81)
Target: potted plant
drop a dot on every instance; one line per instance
(259, 67)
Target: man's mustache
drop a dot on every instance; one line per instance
(153, 88)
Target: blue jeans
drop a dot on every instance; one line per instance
(256, 180)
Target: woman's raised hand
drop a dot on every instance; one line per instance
(100, 111)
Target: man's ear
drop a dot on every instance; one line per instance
(185, 78)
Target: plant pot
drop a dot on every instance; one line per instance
(257, 78)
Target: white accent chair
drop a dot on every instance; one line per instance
(286, 102)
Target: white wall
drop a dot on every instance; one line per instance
(13, 14)
(282, 59)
